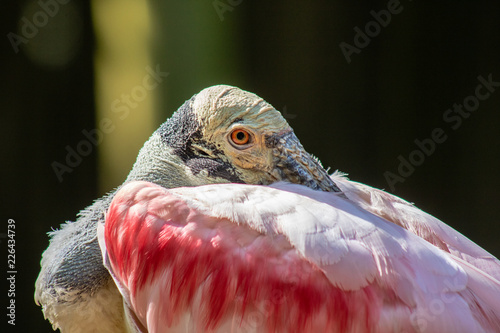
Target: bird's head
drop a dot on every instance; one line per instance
(224, 134)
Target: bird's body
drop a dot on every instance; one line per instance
(285, 258)
(262, 255)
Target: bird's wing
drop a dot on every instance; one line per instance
(282, 258)
(406, 215)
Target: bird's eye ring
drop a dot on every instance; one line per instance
(240, 137)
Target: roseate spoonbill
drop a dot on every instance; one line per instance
(226, 224)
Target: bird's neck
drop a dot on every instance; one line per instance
(158, 164)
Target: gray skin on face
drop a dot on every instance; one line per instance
(184, 151)
(181, 133)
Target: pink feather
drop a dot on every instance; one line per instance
(284, 258)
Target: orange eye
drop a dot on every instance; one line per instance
(240, 137)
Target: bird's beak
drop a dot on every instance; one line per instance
(292, 163)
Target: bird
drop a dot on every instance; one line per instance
(227, 224)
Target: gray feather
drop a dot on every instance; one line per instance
(72, 270)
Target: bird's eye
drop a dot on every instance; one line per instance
(240, 137)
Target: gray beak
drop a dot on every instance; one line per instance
(292, 163)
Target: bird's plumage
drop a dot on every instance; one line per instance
(189, 252)
(207, 258)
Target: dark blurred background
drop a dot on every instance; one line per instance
(76, 106)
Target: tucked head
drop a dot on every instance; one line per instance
(225, 134)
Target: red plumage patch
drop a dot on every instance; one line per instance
(220, 271)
